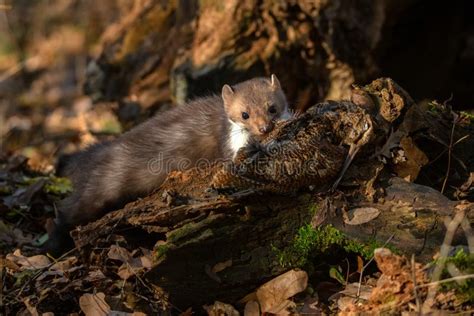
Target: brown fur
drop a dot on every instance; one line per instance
(256, 101)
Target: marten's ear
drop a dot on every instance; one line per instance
(227, 93)
(275, 82)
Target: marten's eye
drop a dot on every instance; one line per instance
(245, 115)
(272, 109)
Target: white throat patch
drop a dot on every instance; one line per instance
(238, 137)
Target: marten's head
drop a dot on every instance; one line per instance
(255, 105)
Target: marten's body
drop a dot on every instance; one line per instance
(107, 175)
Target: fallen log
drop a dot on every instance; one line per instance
(218, 233)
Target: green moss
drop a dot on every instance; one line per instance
(335, 272)
(309, 242)
(435, 107)
(186, 230)
(470, 116)
(160, 252)
(58, 186)
(306, 241)
(464, 288)
(313, 209)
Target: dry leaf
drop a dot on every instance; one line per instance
(219, 309)
(361, 215)
(14, 236)
(274, 293)
(94, 304)
(252, 309)
(284, 308)
(360, 264)
(345, 302)
(188, 312)
(29, 263)
(120, 313)
(352, 289)
(119, 253)
(146, 262)
(414, 160)
(125, 271)
(95, 276)
(348, 297)
(218, 267)
(130, 265)
(31, 309)
(9, 264)
(310, 307)
(23, 196)
(64, 265)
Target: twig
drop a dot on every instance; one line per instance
(444, 252)
(112, 230)
(447, 147)
(456, 278)
(461, 139)
(367, 264)
(466, 226)
(415, 292)
(450, 148)
(347, 274)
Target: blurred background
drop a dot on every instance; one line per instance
(73, 72)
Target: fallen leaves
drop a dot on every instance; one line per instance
(94, 305)
(219, 309)
(131, 265)
(273, 296)
(14, 236)
(28, 263)
(348, 297)
(23, 196)
(394, 290)
(361, 215)
(409, 159)
(27, 198)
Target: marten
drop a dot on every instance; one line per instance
(107, 175)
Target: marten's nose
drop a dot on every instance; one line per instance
(266, 129)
